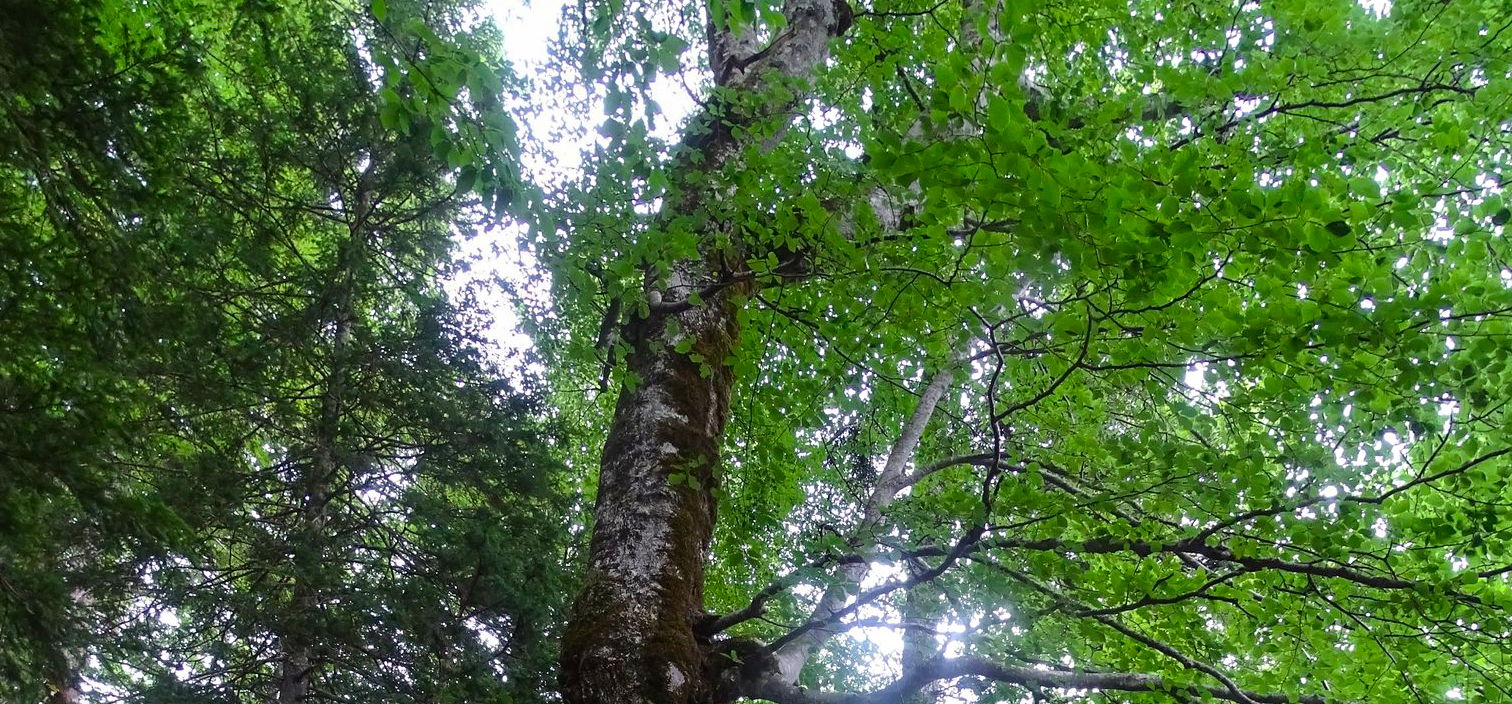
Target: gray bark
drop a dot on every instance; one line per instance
(631, 638)
(632, 635)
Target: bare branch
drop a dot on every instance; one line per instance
(894, 477)
(951, 668)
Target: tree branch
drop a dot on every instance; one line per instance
(894, 477)
(951, 668)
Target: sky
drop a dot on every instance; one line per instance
(528, 28)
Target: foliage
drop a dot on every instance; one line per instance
(253, 448)
(1224, 290)
(1088, 351)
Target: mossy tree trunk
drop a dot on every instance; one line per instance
(632, 637)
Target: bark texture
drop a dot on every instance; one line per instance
(632, 637)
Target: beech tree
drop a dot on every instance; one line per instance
(968, 350)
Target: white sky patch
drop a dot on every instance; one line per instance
(485, 635)
(528, 29)
(885, 644)
(555, 142)
(1379, 8)
(492, 255)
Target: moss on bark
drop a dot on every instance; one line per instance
(632, 637)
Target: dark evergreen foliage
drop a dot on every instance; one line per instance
(251, 448)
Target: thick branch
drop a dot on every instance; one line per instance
(892, 480)
(951, 668)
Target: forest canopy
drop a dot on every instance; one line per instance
(253, 450)
(879, 351)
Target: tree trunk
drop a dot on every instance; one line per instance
(632, 634)
(66, 680)
(309, 535)
(631, 637)
(66, 692)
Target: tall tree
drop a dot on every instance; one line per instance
(1125, 351)
(254, 449)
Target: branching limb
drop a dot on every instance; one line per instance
(952, 668)
(792, 654)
